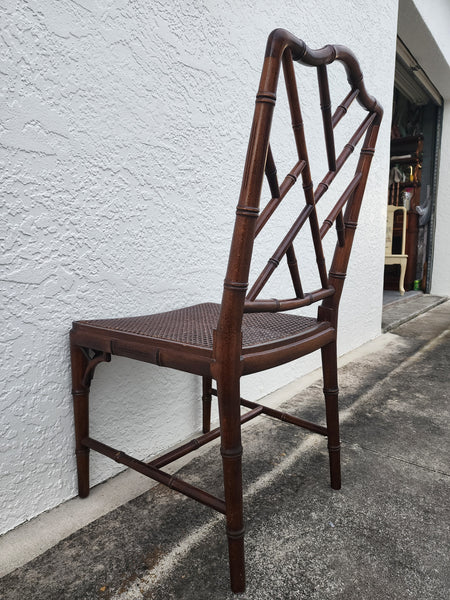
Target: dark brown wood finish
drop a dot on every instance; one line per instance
(206, 400)
(245, 333)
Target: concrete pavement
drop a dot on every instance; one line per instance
(384, 535)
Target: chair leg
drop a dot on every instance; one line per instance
(206, 404)
(331, 391)
(80, 392)
(230, 428)
(401, 287)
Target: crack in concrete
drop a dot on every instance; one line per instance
(396, 458)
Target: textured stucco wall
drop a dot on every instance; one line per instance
(436, 16)
(440, 283)
(122, 138)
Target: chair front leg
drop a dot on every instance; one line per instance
(228, 391)
(331, 392)
(80, 392)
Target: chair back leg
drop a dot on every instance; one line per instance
(206, 403)
(80, 392)
(331, 392)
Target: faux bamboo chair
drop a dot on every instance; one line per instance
(245, 334)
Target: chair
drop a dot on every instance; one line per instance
(245, 334)
(396, 259)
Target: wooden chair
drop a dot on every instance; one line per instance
(396, 259)
(245, 334)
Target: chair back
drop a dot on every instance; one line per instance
(283, 50)
(391, 210)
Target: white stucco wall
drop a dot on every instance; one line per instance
(122, 139)
(440, 283)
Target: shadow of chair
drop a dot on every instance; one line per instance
(401, 258)
(245, 334)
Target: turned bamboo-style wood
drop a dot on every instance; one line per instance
(331, 391)
(286, 417)
(341, 256)
(80, 393)
(325, 105)
(344, 155)
(198, 442)
(323, 186)
(337, 209)
(277, 196)
(299, 134)
(274, 305)
(166, 478)
(282, 416)
(271, 174)
(275, 201)
(206, 403)
(246, 334)
(275, 259)
(343, 107)
(295, 274)
(340, 228)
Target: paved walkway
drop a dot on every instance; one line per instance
(385, 535)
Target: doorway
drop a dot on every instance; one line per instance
(415, 138)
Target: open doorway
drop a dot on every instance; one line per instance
(415, 138)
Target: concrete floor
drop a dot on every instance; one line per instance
(384, 535)
(391, 296)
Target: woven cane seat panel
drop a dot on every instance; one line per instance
(194, 325)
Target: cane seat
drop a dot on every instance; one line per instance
(152, 337)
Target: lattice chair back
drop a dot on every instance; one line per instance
(283, 49)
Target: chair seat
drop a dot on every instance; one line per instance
(164, 338)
